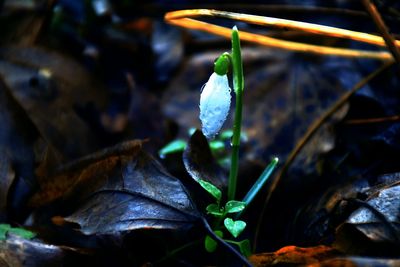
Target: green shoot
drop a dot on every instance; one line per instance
(238, 86)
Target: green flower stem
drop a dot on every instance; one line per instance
(238, 86)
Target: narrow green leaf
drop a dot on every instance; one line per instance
(260, 181)
(6, 228)
(209, 244)
(172, 147)
(234, 206)
(226, 135)
(212, 189)
(22, 233)
(214, 210)
(245, 248)
(216, 145)
(3, 230)
(234, 227)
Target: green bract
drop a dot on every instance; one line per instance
(221, 64)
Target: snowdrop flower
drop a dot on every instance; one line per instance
(215, 101)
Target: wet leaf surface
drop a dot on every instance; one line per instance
(136, 194)
(374, 225)
(18, 252)
(41, 87)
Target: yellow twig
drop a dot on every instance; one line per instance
(183, 18)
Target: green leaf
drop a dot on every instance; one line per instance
(226, 135)
(212, 189)
(3, 230)
(234, 227)
(216, 145)
(22, 233)
(260, 181)
(6, 228)
(245, 248)
(234, 206)
(210, 244)
(221, 64)
(172, 147)
(214, 210)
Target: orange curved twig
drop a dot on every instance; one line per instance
(184, 18)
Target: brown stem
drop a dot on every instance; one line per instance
(373, 120)
(184, 18)
(380, 24)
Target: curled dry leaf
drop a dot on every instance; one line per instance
(200, 163)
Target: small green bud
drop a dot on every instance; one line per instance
(221, 64)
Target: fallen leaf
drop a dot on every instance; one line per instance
(41, 82)
(19, 252)
(293, 256)
(137, 193)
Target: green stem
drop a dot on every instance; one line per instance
(238, 86)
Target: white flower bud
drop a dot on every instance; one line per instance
(215, 101)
